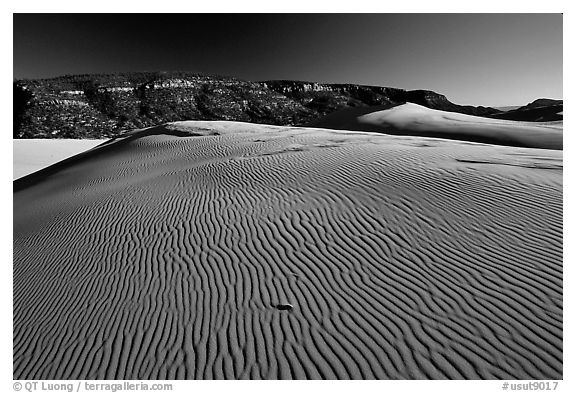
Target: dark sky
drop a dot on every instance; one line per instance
(478, 59)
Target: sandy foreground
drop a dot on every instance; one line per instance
(31, 155)
(173, 253)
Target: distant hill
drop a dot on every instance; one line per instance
(96, 106)
(540, 110)
(542, 102)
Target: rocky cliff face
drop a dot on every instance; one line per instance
(96, 106)
(91, 106)
(325, 97)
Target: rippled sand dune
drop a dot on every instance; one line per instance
(174, 253)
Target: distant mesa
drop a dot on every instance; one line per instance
(542, 102)
(540, 110)
(327, 98)
(104, 106)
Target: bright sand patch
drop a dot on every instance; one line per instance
(412, 119)
(251, 251)
(31, 155)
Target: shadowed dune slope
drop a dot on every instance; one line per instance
(177, 252)
(413, 119)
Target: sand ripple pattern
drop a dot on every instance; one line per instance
(403, 258)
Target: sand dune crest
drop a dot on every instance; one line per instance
(413, 119)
